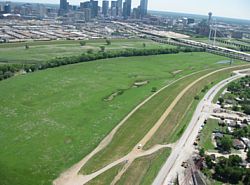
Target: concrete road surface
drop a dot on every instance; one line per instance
(184, 148)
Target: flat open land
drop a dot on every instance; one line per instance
(51, 119)
(42, 51)
(206, 135)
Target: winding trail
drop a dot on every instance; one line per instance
(153, 130)
(71, 176)
(66, 177)
(184, 147)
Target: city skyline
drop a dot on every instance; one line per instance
(189, 6)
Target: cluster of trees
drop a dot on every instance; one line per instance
(241, 89)
(225, 144)
(90, 55)
(240, 46)
(242, 132)
(9, 70)
(228, 170)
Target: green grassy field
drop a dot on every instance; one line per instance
(51, 119)
(144, 170)
(141, 122)
(178, 119)
(206, 135)
(107, 177)
(44, 50)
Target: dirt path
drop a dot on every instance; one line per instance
(66, 176)
(153, 130)
(184, 147)
(71, 176)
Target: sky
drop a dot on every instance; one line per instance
(222, 8)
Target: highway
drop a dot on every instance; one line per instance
(184, 148)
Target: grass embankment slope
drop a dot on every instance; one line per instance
(206, 135)
(145, 169)
(180, 116)
(107, 177)
(42, 51)
(135, 128)
(142, 171)
(51, 119)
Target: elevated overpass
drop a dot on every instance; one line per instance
(215, 49)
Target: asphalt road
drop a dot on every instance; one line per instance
(184, 147)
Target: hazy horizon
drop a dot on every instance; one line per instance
(231, 8)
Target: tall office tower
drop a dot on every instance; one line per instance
(114, 8)
(87, 14)
(7, 8)
(105, 8)
(144, 8)
(124, 8)
(119, 7)
(127, 8)
(84, 5)
(94, 8)
(63, 7)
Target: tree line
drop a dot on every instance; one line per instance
(9, 70)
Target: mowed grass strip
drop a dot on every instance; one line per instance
(177, 121)
(107, 177)
(133, 130)
(206, 135)
(44, 51)
(144, 170)
(51, 119)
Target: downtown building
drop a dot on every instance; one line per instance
(127, 8)
(91, 8)
(63, 7)
(105, 8)
(143, 8)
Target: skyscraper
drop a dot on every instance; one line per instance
(127, 8)
(114, 8)
(119, 7)
(63, 5)
(105, 7)
(94, 8)
(143, 8)
(7, 8)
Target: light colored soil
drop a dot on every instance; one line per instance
(71, 176)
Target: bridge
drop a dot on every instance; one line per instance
(231, 53)
(216, 49)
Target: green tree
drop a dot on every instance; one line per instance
(90, 51)
(226, 144)
(27, 46)
(102, 48)
(202, 152)
(83, 43)
(247, 109)
(154, 89)
(108, 42)
(197, 97)
(221, 100)
(248, 155)
(144, 45)
(235, 108)
(209, 162)
(246, 180)
(234, 160)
